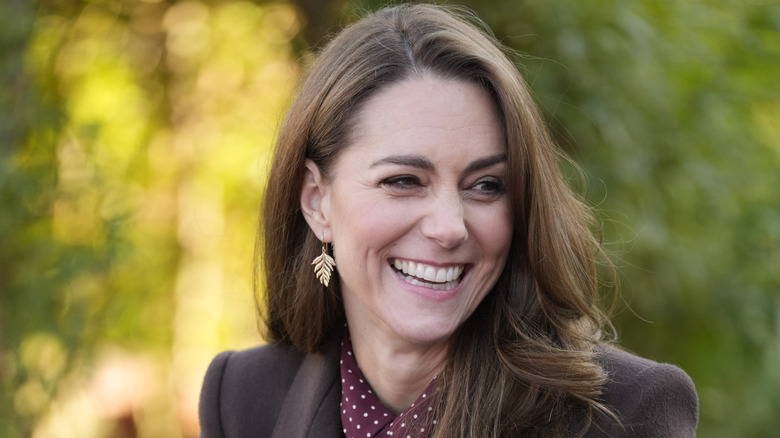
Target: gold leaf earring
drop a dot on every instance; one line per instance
(323, 265)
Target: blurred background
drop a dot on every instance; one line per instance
(134, 139)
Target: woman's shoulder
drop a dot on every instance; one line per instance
(246, 384)
(622, 364)
(651, 398)
(256, 360)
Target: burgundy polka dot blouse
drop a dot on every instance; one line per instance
(364, 416)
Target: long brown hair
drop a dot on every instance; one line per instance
(523, 363)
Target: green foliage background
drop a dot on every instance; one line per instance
(134, 136)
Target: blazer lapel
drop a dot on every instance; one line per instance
(311, 407)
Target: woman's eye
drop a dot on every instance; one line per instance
(402, 182)
(491, 187)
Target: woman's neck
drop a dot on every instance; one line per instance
(398, 371)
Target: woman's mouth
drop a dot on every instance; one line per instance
(433, 277)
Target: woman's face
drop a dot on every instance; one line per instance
(416, 207)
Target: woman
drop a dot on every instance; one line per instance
(459, 299)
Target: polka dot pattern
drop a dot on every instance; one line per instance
(364, 416)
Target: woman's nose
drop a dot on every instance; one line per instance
(445, 222)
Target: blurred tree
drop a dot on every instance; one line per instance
(130, 175)
(29, 125)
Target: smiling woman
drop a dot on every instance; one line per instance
(463, 301)
(406, 191)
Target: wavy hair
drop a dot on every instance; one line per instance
(523, 363)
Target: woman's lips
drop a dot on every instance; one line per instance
(433, 277)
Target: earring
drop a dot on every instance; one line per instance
(323, 265)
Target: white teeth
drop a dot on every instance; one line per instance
(430, 273)
(435, 278)
(437, 286)
(451, 274)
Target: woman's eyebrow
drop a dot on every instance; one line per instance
(485, 162)
(406, 160)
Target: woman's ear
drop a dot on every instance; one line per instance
(315, 195)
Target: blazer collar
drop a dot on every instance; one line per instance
(311, 407)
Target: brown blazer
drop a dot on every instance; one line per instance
(276, 391)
